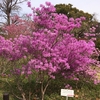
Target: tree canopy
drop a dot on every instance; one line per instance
(71, 11)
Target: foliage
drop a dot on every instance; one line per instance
(82, 91)
(98, 42)
(73, 12)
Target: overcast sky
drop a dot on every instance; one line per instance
(90, 6)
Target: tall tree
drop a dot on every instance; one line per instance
(8, 8)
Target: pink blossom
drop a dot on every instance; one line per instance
(48, 3)
(29, 4)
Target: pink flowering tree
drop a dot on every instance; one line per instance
(18, 26)
(52, 49)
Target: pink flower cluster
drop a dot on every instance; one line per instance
(51, 46)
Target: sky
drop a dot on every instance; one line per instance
(90, 6)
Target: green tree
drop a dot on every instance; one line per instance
(71, 11)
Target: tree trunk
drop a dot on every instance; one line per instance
(43, 89)
(23, 95)
(42, 92)
(8, 19)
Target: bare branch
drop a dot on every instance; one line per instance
(8, 7)
(21, 1)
